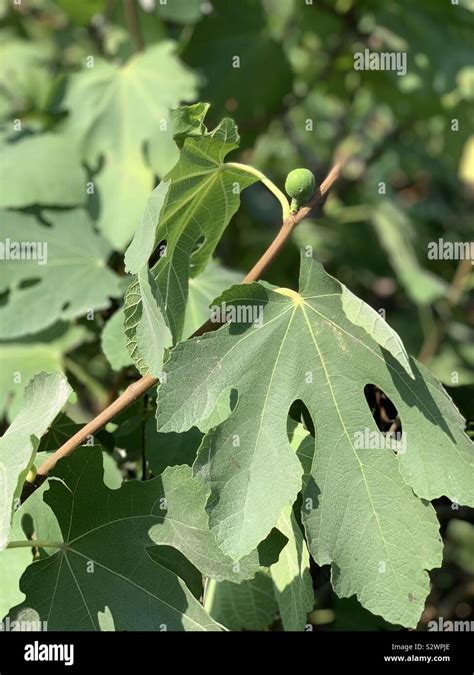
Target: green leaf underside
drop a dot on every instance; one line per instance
(153, 334)
(286, 586)
(396, 234)
(250, 605)
(73, 280)
(113, 342)
(12, 564)
(109, 531)
(44, 397)
(291, 577)
(189, 212)
(364, 516)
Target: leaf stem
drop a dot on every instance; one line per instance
(34, 543)
(285, 206)
(135, 390)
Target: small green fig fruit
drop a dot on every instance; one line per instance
(300, 185)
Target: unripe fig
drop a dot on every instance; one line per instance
(300, 185)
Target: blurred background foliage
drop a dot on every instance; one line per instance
(86, 89)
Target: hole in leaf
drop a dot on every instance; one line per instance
(27, 525)
(386, 416)
(4, 297)
(300, 430)
(300, 413)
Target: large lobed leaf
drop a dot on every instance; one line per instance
(107, 573)
(34, 519)
(363, 509)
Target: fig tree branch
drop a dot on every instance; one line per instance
(135, 390)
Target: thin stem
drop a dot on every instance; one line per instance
(34, 543)
(133, 392)
(137, 389)
(131, 17)
(285, 206)
(289, 225)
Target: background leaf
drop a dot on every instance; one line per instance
(113, 342)
(92, 574)
(245, 90)
(28, 179)
(313, 324)
(114, 111)
(21, 359)
(72, 280)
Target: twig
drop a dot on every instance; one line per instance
(433, 340)
(133, 24)
(135, 390)
(289, 225)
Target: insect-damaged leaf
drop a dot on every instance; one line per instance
(102, 575)
(363, 515)
(188, 211)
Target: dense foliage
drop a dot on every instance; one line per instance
(236, 493)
